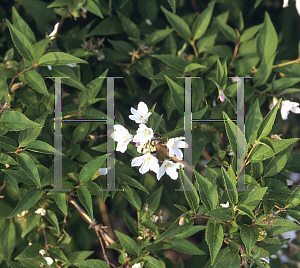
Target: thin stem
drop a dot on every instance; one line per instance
(235, 56)
(280, 65)
(192, 43)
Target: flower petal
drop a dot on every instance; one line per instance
(137, 161)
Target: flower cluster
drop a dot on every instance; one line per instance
(146, 142)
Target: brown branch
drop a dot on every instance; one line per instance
(245, 262)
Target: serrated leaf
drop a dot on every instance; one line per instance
(294, 199)
(6, 159)
(190, 192)
(278, 162)
(157, 36)
(56, 253)
(227, 31)
(153, 200)
(91, 264)
(279, 225)
(86, 200)
(130, 196)
(90, 169)
(252, 122)
(16, 121)
(214, 238)
(221, 214)
(21, 42)
(230, 185)
(267, 142)
(245, 210)
(249, 235)
(201, 23)
(131, 181)
(177, 93)
(184, 246)
(58, 58)
(41, 147)
(267, 39)
(208, 193)
(60, 200)
(32, 220)
(8, 144)
(34, 79)
(51, 217)
(173, 5)
(93, 7)
(264, 71)
(8, 237)
(27, 201)
(194, 66)
(253, 198)
(127, 243)
(28, 166)
(175, 62)
(130, 28)
(179, 24)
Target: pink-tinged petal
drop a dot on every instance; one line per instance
(178, 153)
(142, 108)
(222, 96)
(284, 113)
(137, 161)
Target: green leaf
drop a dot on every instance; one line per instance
(250, 32)
(252, 122)
(28, 166)
(148, 9)
(179, 24)
(66, 71)
(30, 134)
(278, 162)
(230, 185)
(267, 39)
(79, 256)
(39, 48)
(157, 36)
(91, 168)
(51, 217)
(27, 201)
(81, 131)
(8, 144)
(177, 93)
(32, 220)
(130, 195)
(173, 5)
(6, 159)
(191, 231)
(144, 67)
(201, 23)
(173, 61)
(266, 142)
(190, 192)
(8, 238)
(249, 235)
(252, 199)
(214, 238)
(227, 31)
(230, 259)
(270, 246)
(19, 175)
(193, 66)
(22, 26)
(21, 42)
(93, 7)
(91, 264)
(267, 124)
(109, 26)
(184, 246)
(56, 253)
(41, 147)
(131, 223)
(127, 243)
(35, 80)
(245, 210)
(221, 214)
(86, 200)
(294, 199)
(289, 91)
(16, 121)
(283, 83)
(154, 199)
(58, 58)
(208, 193)
(130, 28)
(261, 152)
(131, 181)
(279, 225)
(264, 71)
(60, 200)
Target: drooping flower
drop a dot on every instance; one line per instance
(147, 162)
(122, 136)
(48, 260)
(170, 168)
(141, 114)
(222, 96)
(288, 106)
(143, 135)
(174, 144)
(52, 35)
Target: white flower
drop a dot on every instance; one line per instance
(266, 259)
(83, 9)
(48, 260)
(291, 235)
(54, 31)
(141, 114)
(72, 65)
(100, 57)
(103, 171)
(285, 4)
(148, 22)
(174, 144)
(225, 205)
(147, 162)
(137, 265)
(42, 252)
(122, 136)
(49, 67)
(41, 211)
(143, 134)
(170, 168)
(288, 106)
